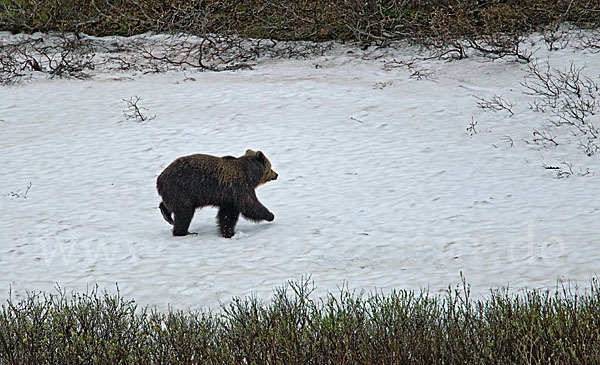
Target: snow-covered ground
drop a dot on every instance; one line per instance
(380, 183)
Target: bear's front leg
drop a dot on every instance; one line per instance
(227, 217)
(254, 210)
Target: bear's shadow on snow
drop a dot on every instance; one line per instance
(205, 230)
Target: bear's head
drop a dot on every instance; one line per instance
(268, 173)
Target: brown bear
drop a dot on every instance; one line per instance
(227, 182)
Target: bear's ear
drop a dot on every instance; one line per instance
(250, 152)
(261, 156)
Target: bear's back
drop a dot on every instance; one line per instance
(202, 169)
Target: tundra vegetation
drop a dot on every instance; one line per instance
(534, 326)
(231, 34)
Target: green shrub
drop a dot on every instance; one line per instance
(345, 328)
(315, 20)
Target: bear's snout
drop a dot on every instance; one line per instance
(275, 175)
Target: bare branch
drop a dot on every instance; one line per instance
(471, 128)
(134, 111)
(497, 103)
(21, 195)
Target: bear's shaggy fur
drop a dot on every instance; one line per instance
(228, 182)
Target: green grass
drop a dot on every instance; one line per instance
(560, 327)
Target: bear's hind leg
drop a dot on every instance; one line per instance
(166, 213)
(183, 218)
(227, 217)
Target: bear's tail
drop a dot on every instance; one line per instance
(166, 213)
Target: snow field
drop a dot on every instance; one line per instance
(380, 184)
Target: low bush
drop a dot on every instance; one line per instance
(293, 327)
(313, 20)
(222, 35)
